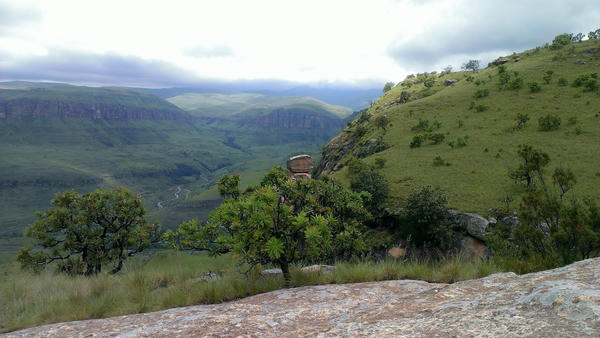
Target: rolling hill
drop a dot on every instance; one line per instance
(469, 127)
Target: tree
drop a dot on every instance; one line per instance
(281, 222)
(561, 40)
(388, 86)
(382, 122)
(83, 232)
(372, 182)
(577, 37)
(532, 167)
(471, 65)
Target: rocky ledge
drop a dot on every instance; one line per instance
(564, 302)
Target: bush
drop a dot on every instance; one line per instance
(382, 122)
(548, 76)
(429, 82)
(438, 161)
(436, 138)
(423, 125)
(534, 87)
(549, 122)
(417, 140)
(427, 219)
(481, 107)
(388, 86)
(462, 141)
(369, 148)
(375, 184)
(562, 82)
(560, 41)
(481, 93)
(522, 120)
(380, 162)
(360, 131)
(516, 83)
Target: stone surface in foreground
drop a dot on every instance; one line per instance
(563, 302)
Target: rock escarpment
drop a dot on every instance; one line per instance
(564, 302)
(295, 118)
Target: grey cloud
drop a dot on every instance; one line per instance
(12, 16)
(82, 67)
(209, 51)
(481, 27)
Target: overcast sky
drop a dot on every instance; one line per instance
(181, 43)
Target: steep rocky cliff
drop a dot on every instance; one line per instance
(564, 302)
(86, 102)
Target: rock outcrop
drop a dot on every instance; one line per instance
(295, 118)
(300, 166)
(564, 302)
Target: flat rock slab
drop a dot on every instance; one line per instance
(564, 302)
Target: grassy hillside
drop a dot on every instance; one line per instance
(228, 105)
(477, 119)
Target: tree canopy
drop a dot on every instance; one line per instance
(281, 222)
(83, 232)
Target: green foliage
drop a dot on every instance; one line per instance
(372, 182)
(382, 122)
(531, 169)
(417, 140)
(553, 230)
(549, 122)
(438, 161)
(594, 35)
(429, 82)
(515, 84)
(83, 232)
(481, 93)
(471, 65)
(404, 97)
(522, 120)
(425, 126)
(229, 186)
(560, 41)
(534, 87)
(589, 82)
(360, 131)
(388, 86)
(380, 162)
(481, 107)
(281, 222)
(426, 218)
(562, 82)
(548, 76)
(369, 148)
(436, 138)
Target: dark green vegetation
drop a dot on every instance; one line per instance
(56, 138)
(280, 222)
(476, 120)
(84, 232)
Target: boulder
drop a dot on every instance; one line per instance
(319, 268)
(450, 82)
(511, 221)
(475, 224)
(300, 164)
(474, 246)
(271, 272)
(500, 61)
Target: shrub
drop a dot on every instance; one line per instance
(461, 141)
(522, 120)
(438, 161)
(423, 125)
(562, 82)
(429, 82)
(427, 219)
(382, 121)
(548, 76)
(578, 130)
(360, 131)
(481, 107)
(417, 140)
(560, 41)
(481, 93)
(380, 162)
(534, 87)
(516, 83)
(375, 184)
(388, 86)
(572, 120)
(549, 122)
(369, 148)
(436, 138)
(404, 97)
(460, 123)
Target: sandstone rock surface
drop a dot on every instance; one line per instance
(564, 302)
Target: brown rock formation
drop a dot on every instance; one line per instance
(299, 166)
(564, 302)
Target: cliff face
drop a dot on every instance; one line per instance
(295, 118)
(86, 102)
(28, 107)
(564, 302)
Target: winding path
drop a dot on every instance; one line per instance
(177, 191)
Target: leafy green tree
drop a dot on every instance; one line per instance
(471, 65)
(375, 184)
(83, 232)
(382, 121)
(532, 168)
(388, 86)
(560, 41)
(426, 218)
(229, 186)
(404, 97)
(281, 222)
(429, 82)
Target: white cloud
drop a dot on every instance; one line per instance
(307, 41)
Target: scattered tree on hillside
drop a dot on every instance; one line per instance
(388, 86)
(471, 65)
(561, 40)
(382, 122)
(577, 37)
(594, 35)
(281, 222)
(84, 232)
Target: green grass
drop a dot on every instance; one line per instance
(172, 279)
(477, 178)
